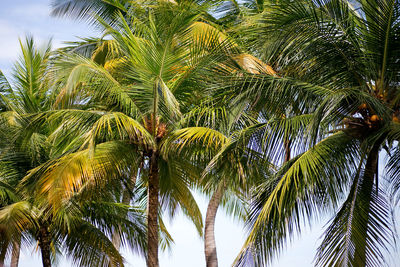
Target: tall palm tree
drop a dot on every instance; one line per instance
(27, 98)
(229, 174)
(341, 56)
(6, 191)
(80, 226)
(245, 62)
(161, 64)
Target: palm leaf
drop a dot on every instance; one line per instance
(307, 185)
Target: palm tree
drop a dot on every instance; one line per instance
(341, 56)
(6, 192)
(27, 98)
(80, 226)
(101, 55)
(156, 74)
(229, 174)
(8, 241)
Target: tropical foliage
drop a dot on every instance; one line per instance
(27, 144)
(340, 76)
(279, 111)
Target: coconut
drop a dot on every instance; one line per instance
(374, 118)
(363, 106)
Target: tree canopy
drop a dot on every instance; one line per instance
(281, 112)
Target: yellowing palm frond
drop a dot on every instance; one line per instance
(18, 217)
(200, 31)
(203, 137)
(60, 179)
(120, 126)
(253, 65)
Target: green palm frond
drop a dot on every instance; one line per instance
(306, 185)
(76, 71)
(166, 238)
(347, 231)
(7, 193)
(4, 84)
(392, 167)
(87, 246)
(278, 129)
(129, 221)
(5, 90)
(236, 206)
(175, 181)
(88, 9)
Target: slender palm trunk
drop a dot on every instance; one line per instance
(15, 252)
(152, 212)
(287, 149)
(116, 240)
(367, 191)
(44, 244)
(210, 247)
(3, 252)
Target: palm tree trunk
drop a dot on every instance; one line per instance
(44, 244)
(15, 252)
(365, 205)
(210, 247)
(287, 149)
(152, 212)
(3, 252)
(116, 241)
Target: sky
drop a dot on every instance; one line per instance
(21, 17)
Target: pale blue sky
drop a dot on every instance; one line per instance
(21, 17)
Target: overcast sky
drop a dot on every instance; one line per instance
(21, 17)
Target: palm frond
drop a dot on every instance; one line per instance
(60, 179)
(88, 246)
(18, 217)
(194, 136)
(306, 185)
(175, 181)
(88, 9)
(346, 232)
